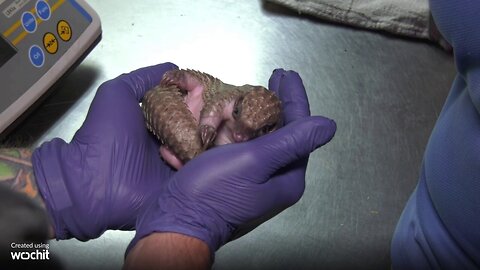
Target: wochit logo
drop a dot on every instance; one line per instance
(40, 251)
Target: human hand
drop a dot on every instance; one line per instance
(233, 185)
(111, 167)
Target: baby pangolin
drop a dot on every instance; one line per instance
(189, 111)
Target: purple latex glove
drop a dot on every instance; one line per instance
(233, 185)
(111, 167)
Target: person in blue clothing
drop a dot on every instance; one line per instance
(440, 225)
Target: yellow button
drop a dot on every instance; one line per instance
(64, 30)
(50, 43)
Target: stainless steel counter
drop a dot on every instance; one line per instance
(383, 91)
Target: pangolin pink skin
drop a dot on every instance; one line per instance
(190, 111)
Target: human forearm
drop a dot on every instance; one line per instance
(168, 251)
(16, 172)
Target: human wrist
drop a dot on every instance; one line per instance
(186, 217)
(178, 252)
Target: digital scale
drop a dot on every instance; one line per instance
(40, 41)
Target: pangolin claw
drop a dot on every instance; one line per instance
(172, 77)
(207, 134)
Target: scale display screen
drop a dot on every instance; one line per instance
(7, 51)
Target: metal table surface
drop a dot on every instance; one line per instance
(384, 92)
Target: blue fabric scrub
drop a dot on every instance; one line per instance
(440, 225)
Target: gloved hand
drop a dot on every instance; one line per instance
(111, 167)
(232, 185)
